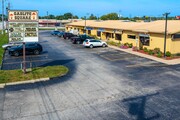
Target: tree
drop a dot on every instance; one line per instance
(110, 16)
(60, 17)
(68, 16)
(92, 17)
(75, 17)
(51, 17)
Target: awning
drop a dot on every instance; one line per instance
(101, 29)
(89, 28)
(176, 36)
(144, 35)
(141, 30)
(118, 31)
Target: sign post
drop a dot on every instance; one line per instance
(24, 57)
(24, 24)
(23, 27)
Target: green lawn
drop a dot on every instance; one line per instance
(3, 40)
(7, 76)
(36, 73)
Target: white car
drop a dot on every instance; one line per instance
(94, 43)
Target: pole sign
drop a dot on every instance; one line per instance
(23, 25)
(23, 16)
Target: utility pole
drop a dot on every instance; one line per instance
(7, 9)
(85, 24)
(165, 34)
(2, 16)
(71, 17)
(47, 19)
(119, 14)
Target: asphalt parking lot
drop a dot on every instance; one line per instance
(103, 84)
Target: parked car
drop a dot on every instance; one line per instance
(31, 48)
(94, 43)
(9, 45)
(60, 34)
(55, 32)
(68, 35)
(80, 39)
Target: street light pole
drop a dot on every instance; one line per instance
(165, 34)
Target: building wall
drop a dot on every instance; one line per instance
(156, 39)
(175, 46)
(125, 38)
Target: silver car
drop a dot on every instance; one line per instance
(94, 43)
(9, 45)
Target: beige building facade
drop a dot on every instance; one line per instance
(140, 34)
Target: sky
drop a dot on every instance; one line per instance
(126, 8)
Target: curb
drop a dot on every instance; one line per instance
(2, 60)
(24, 82)
(168, 62)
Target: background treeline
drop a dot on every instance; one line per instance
(109, 16)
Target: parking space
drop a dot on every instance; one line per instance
(113, 55)
(12, 62)
(102, 83)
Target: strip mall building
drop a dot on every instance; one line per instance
(140, 34)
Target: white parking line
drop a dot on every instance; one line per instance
(116, 59)
(146, 64)
(28, 61)
(20, 57)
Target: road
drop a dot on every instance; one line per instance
(103, 84)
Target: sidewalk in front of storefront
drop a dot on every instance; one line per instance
(161, 60)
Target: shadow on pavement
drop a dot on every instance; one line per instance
(137, 107)
(57, 62)
(69, 63)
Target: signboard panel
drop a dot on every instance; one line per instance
(23, 26)
(22, 15)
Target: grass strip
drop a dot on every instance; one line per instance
(3, 40)
(7, 76)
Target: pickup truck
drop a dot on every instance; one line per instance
(80, 39)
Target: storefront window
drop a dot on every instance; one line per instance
(144, 40)
(89, 32)
(108, 35)
(112, 35)
(176, 36)
(99, 33)
(131, 36)
(118, 36)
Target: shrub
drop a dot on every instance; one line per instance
(141, 48)
(159, 54)
(151, 52)
(123, 46)
(145, 49)
(178, 54)
(156, 50)
(126, 44)
(113, 43)
(130, 45)
(168, 54)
